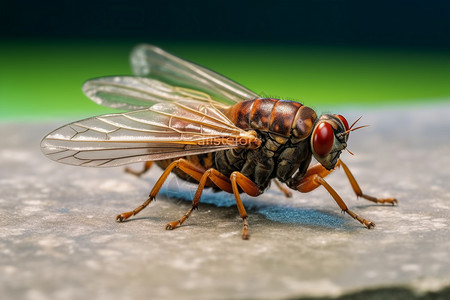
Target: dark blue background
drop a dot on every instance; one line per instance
(409, 23)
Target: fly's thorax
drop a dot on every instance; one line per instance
(277, 157)
(328, 139)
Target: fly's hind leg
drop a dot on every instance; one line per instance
(184, 165)
(314, 178)
(147, 166)
(358, 190)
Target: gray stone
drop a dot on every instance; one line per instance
(59, 238)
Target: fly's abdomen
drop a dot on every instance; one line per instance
(281, 117)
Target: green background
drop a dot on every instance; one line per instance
(324, 53)
(43, 78)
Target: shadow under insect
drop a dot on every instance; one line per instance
(276, 212)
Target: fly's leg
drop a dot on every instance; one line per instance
(226, 184)
(358, 190)
(250, 188)
(220, 180)
(306, 184)
(283, 188)
(147, 166)
(314, 178)
(184, 165)
(341, 203)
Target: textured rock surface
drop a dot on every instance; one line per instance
(59, 239)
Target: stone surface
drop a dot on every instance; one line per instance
(59, 239)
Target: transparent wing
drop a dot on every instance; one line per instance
(164, 73)
(153, 62)
(160, 132)
(132, 93)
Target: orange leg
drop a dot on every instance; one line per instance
(283, 188)
(215, 176)
(226, 184)
(184, 165)
(147, 166)
(250, 188)
(307, 184)
(314, 178)
(369, 224)
(358, 190)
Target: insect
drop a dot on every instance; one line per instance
(207, 129)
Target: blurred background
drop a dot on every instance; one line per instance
(324, 53)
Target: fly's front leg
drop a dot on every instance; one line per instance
(314, 178)
(147, 166)
(184, 165)
(358, 190)
(306, 184)
(341, 203)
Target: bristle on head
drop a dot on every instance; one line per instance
(353, 129)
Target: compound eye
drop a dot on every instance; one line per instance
(323, 139)
(344, 121)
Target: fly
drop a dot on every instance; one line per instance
(207, 129)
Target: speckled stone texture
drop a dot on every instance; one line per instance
(59, 239)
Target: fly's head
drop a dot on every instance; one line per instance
(328, 139)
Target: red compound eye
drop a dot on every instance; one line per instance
(323, 139)
(344, 121)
